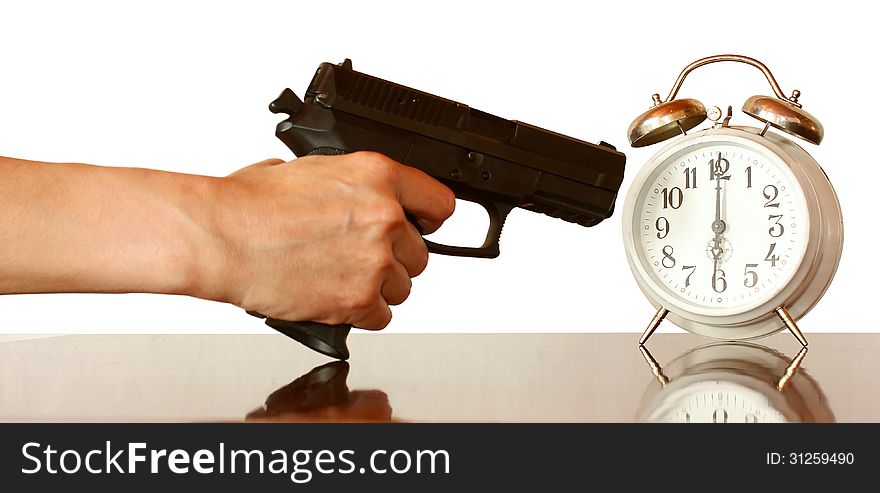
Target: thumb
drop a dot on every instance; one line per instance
(266, 163)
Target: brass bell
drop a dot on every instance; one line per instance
(672, 117)
(786, 116)
(666, 120)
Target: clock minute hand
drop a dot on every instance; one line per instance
(718, 225)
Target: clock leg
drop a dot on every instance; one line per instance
(791, 369)
(656, 369)
(655, 322)
(791, 325)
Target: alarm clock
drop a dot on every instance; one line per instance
(732, 232)
(733, 382)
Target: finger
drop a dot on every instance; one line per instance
(424, 197)
(410, 250)
(397, 285)
(376, 318)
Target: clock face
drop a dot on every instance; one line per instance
(720, 225)
(719, 402)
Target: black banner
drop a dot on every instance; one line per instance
(431, 457)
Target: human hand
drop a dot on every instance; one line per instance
(324, 238)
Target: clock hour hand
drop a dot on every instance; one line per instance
(715, 265)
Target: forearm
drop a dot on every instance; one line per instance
(326, 239)
(81, 228)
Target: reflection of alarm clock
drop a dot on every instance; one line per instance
(731, 232)
(733, 383)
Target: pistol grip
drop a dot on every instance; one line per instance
(323, 338)
(326, 339)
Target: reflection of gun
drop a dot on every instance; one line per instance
(497, 163)
(322, 395)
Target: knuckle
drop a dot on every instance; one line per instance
(376, 318)
(398, 287)
(399, 292)
(382, 260)
(368, 156)
(392, 213)
(377, 165)
(362, 298)
(382, 320)
(421, 262)
(387, 214)
(404, 293)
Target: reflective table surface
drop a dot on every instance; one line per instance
(441, 377)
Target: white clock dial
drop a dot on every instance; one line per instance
(719, 402)
(722, 226)
(730, 229)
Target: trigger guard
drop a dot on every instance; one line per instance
(491, 251)
(491, 247)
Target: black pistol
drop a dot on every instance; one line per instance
(497, 163)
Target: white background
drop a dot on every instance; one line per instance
(184, 87)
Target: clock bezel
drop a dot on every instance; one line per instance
(813, 273)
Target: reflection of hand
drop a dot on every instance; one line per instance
(322, 395)
(362, 405)
(325, 238)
